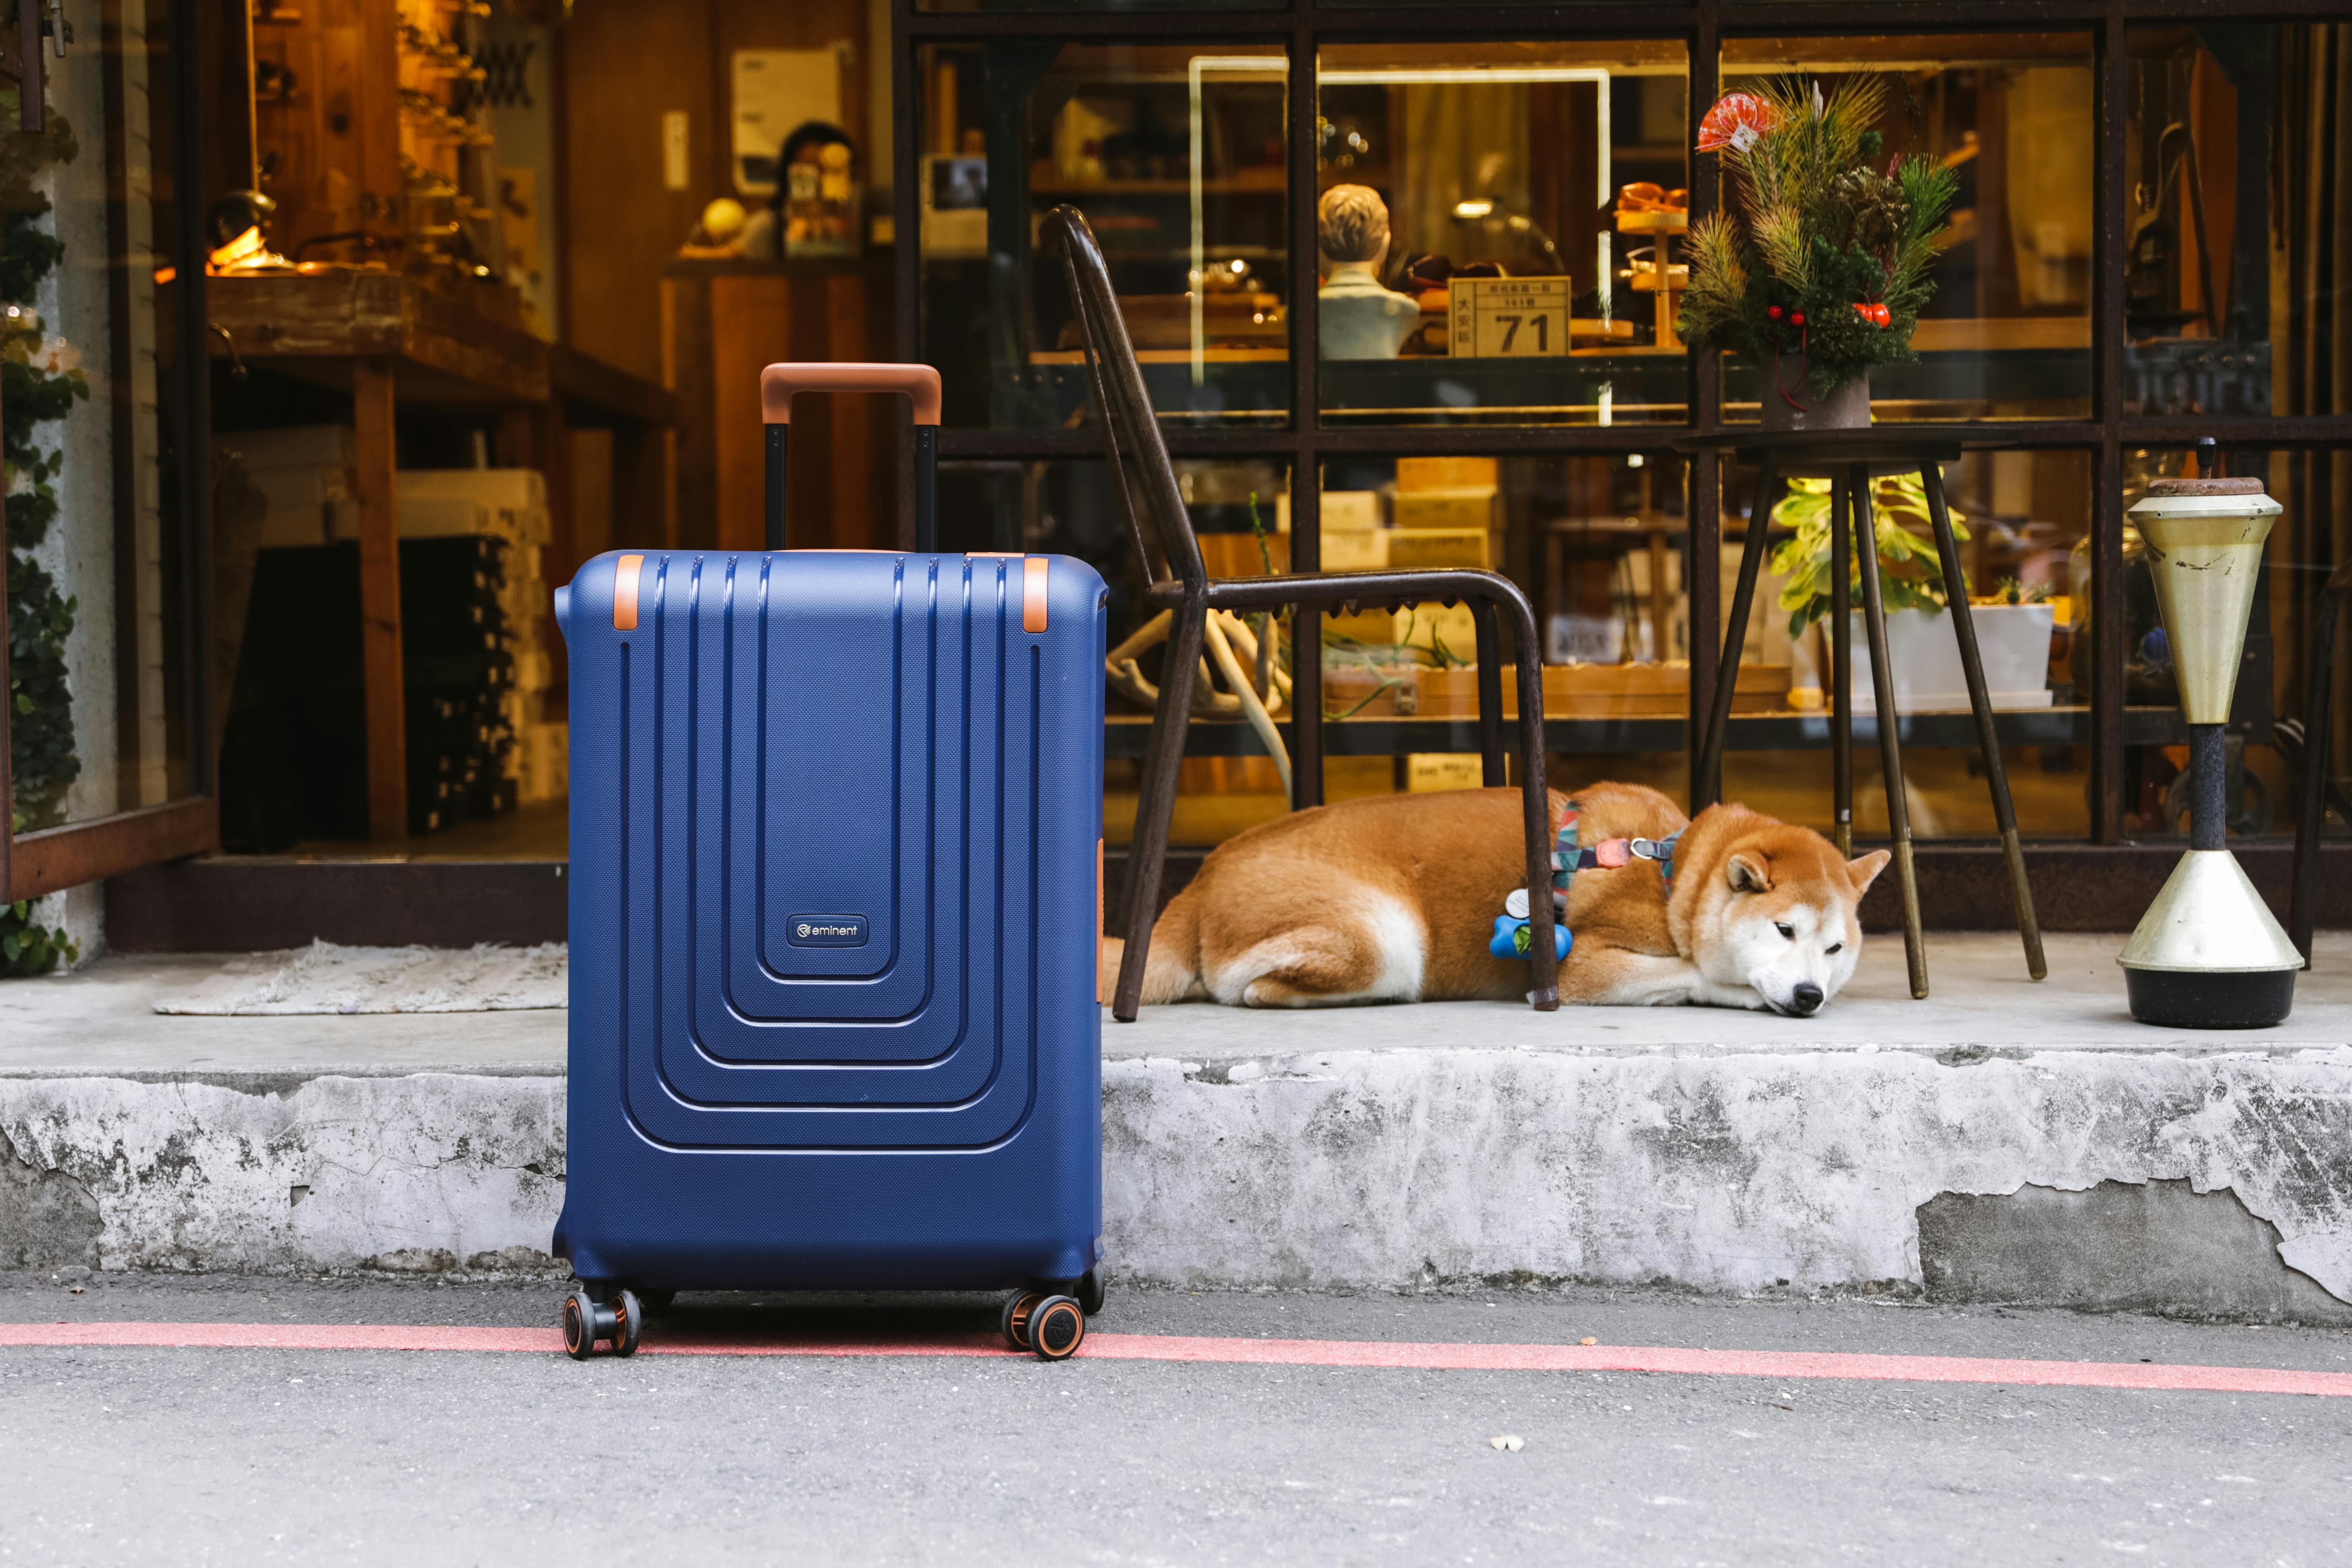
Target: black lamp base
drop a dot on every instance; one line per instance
(2210, 998)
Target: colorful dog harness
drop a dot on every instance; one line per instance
(1513, 935)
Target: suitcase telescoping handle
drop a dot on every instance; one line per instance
(920, 383)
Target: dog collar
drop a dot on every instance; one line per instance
(1510, 937)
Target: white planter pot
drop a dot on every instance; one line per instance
(1924, 653)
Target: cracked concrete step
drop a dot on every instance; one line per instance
(2029, 1145)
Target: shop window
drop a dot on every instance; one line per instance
(1597, 541)
(99, 675)
(2233, 277)
(2027, 559)
(2008, 334)
(1176, 155)
(1491, 218)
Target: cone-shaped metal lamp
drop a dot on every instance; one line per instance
(2209, 954)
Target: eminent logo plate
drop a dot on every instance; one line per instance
(825, 931)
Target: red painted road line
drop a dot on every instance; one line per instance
(1778, 1364)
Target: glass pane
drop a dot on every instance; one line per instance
(2234, 278)
(2027, 517)
(1524, 192)
(96, 618)
(2007, 333)
(1176, 155)
(2271, 714)
(1230, 780)
(1596, 541)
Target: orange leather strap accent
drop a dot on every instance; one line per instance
(920, 383)
(624, 592)
(1033, 594)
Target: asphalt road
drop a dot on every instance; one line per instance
(253, 1456)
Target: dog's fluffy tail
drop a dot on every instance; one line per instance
(1174, 964)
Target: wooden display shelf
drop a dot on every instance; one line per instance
(389, 340)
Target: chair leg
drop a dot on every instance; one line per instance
(1155, 805)
(1735, 640)
(1890, 742)
(2311, 816)
(1535, 797)
(1490, 696)
(1842, 665)
(1956, 595)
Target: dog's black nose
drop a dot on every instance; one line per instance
(1806, 998)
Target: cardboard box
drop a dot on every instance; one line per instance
(1342, 511)
(1424, 627)
(1355, 550)
(1469, 507)
(1414, 549)
(1427, 771)
(1448, 473)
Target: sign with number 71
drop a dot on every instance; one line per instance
(1507, 317)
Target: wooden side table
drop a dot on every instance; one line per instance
(1850, 460)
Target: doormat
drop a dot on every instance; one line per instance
(325, 978)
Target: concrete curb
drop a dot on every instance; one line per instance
(1391, 1169)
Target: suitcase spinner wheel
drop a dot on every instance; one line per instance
(1019, 1308)
(1056, 1329)
(618, 1322)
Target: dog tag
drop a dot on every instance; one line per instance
(1612, 853)
(1516, 906)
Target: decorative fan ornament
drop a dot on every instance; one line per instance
(1736, 120)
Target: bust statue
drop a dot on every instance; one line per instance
(1356, 317)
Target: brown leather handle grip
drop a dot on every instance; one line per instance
(920, 383)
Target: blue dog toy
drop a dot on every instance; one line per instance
(1512, 938)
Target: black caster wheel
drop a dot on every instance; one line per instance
(628, 1322)
(578, 1326)
(1019, 1309)
(1090, 1291)
(1056, 1329)
(657, 1302)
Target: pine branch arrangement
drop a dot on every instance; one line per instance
(1822, 250)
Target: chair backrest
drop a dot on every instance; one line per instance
(1153, 505)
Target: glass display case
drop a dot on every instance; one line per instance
(1442, 273)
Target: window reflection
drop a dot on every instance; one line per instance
(2008, 334)
(1176, 155)
(1528, 192)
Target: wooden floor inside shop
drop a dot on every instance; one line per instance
(533, 833)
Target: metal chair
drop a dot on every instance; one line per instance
(1162, 531)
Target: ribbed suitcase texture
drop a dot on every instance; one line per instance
(837, 823)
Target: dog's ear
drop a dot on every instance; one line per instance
(1865, 869)
(1749, 873)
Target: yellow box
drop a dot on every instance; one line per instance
(1428, 770)
(1414, 548)
(1471, 506)
(1422, 626)
(1355, 549)
(1342, 510)
(1448, 473)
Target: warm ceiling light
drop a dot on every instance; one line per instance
(1475, 208)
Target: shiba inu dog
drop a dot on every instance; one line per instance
(1394, 899)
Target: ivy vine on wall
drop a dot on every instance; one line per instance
(36, 387)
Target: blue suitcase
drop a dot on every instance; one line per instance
(837, 848)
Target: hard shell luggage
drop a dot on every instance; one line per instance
(837, 838)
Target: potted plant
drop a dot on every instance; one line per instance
(1817, 269)
(1923, 650)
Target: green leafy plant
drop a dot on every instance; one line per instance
(36, 387)
(1909, 576)
(1822, 251)
(2010, 591)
